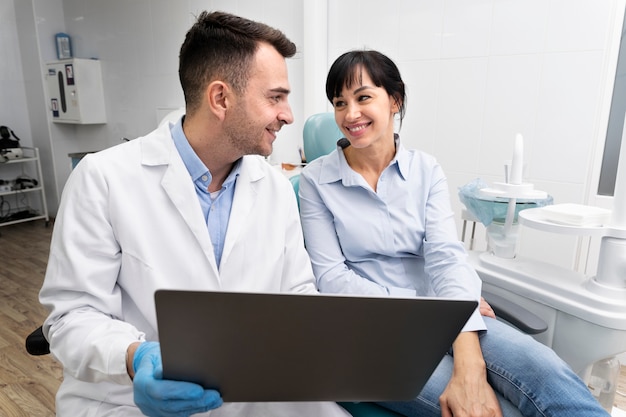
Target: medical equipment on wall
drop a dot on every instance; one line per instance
(586, 316)
(75, 91)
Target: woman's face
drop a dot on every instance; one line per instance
(365, 113)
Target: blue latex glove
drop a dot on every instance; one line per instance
(158, 397)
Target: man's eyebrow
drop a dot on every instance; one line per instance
(281, 90)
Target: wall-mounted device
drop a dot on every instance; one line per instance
(75, 91)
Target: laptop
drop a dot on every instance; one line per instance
(256, 347)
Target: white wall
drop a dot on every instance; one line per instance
(478, 72)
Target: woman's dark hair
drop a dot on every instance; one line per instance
(347, 71)
(222, 46)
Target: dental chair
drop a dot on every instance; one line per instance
(36, 343)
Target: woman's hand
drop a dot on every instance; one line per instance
(468, 393)
(485, 309)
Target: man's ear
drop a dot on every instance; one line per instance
(218, 96)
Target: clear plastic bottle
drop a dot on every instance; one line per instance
(603, 381)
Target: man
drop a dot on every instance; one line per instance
(189, 207)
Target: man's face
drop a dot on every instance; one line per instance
(263, 108)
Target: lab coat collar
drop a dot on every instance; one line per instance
(158, 149)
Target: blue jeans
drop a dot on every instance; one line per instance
(528, 378)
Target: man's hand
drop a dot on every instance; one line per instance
(158, 397)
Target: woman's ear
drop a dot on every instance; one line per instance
(397, 104)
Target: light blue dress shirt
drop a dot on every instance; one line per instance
(399, 240)
(215, 206)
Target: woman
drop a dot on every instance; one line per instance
(377, 220)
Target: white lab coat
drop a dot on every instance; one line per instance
(130, 223)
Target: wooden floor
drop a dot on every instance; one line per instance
(28, 383)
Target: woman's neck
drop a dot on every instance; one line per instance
(370, 162)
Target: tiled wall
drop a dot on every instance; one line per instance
(478, 72)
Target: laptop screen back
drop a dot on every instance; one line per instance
(286, 347)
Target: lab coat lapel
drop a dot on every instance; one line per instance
(180, 190)
(246, 194)
(185, 201)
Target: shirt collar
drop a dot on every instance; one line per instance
(336, 168)
(194, 164)
(402, 158)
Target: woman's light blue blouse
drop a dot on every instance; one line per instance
(399, 240)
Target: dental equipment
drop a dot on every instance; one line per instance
(515, 194)
(586, 315)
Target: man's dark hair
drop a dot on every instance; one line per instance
(222, 46)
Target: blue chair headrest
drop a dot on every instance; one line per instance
(320, 135)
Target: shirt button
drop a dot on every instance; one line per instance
(205, 178)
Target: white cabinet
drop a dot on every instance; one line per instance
(75, 91)
(22, 189)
